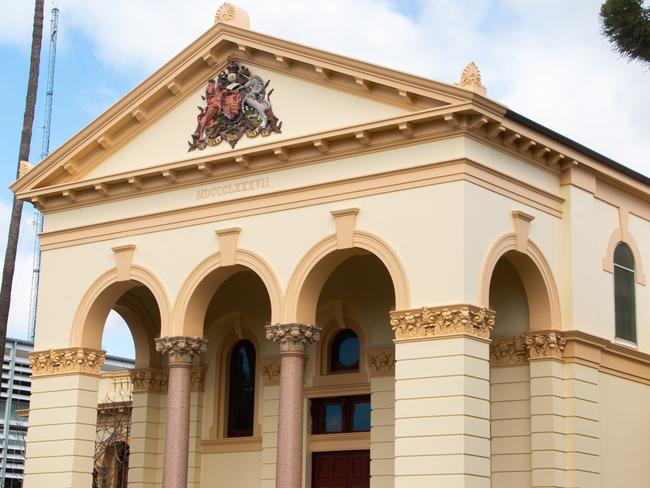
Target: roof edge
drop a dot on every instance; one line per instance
(531, 124)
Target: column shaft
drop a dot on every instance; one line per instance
(292, 339)
(181, 351)
(177, 431)
(289, 465)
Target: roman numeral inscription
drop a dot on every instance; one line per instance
(230, 188)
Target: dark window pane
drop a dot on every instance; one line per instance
(344, 354)
(623, 256)
(241, 390)
(624, 304)
(360, 416)
(332, 418)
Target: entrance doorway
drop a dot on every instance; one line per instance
(341, 469)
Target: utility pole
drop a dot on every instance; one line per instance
(45, 150)
(23, 155)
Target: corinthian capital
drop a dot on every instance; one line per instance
(62, 361)
(452, 320)
(292, 337)
(545, 345)
(181, 350)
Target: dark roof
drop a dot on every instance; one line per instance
(531, 124)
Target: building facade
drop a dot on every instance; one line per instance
(114, 390)
(14, 400)
(337, 274)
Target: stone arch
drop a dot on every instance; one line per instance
(314, 268)
(617, 236)
(198, 289)
(108, 292)
(536, 276)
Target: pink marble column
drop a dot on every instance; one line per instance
(181, 352)
(292, 339)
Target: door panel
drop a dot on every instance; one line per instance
(344, 469)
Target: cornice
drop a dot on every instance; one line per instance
(419, 127)
(185, 72)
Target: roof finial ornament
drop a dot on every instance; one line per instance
(470, 79)
(24, 168)
(229, 14)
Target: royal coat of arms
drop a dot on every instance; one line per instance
(237, 103)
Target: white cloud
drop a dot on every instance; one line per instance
(544, 59)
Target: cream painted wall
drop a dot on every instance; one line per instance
(172, 255)
(513, 167)
(640, 230)
(487, 218)
(241, 469)
(304, 108)
(624, 432)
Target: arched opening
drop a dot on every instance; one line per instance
(519, 296)
(349, 293)
(123, 318)
(235, 308)
(508, 299)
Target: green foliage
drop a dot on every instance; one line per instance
(626, 23)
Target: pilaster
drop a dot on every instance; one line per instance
(510, 413)
(442, 408)
(270, 409)
(62, 417)
(147, 426)
(381, 368)
(548, 406)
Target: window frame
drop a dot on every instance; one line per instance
(342, 369)
(620, 329)
(229, 431)
(317, 407)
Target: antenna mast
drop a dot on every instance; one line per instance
(45, 150)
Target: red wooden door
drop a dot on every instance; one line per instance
(343, 469)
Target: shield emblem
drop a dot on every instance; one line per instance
(231, 104)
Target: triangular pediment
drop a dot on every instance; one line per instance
(301, 107)
(315, 94)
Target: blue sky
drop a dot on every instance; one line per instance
(543, 58)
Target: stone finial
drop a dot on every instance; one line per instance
(24, 167)
(181, 349)
(293, 337)
(229, 14)
(470, 79)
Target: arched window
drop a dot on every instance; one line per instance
(344, 352)
(624, 300)
(241, 390)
